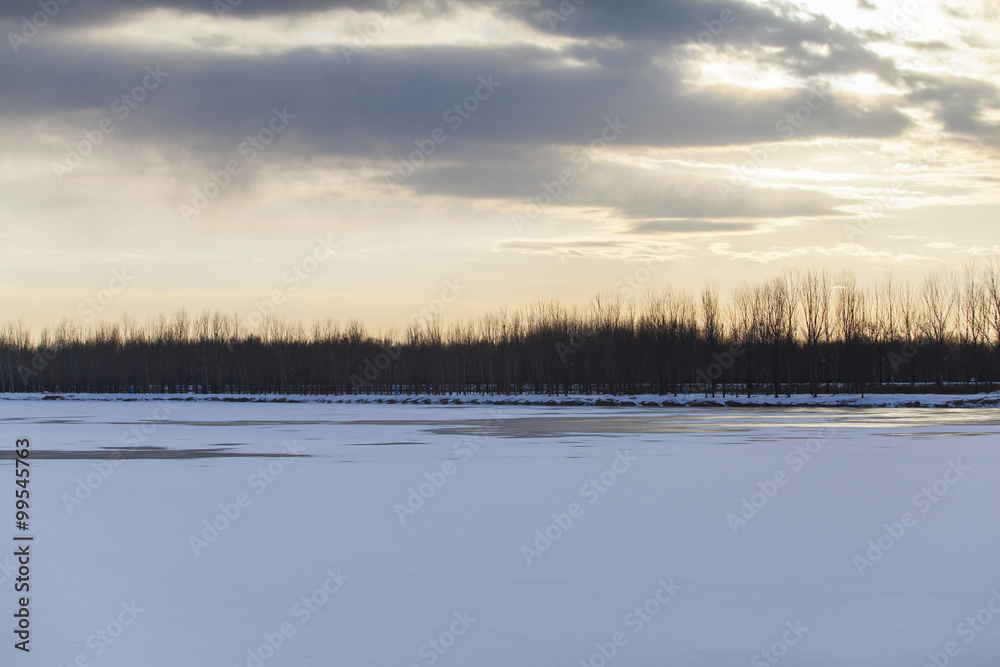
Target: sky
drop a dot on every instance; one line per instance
(366, 159)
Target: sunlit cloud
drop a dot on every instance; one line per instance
(726, 144)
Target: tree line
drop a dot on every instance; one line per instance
(802, 331)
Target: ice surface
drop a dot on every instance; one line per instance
(458, 563)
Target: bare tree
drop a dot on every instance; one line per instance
(939, 299)
(851, 311)
(778, 330)
(712, 326)
(745, 315)
(974, 308)
(813, 288)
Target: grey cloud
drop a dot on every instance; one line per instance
(691, 227)
(520, 175)
(668, 24)
(377, 106)
(104, 11)
(632, 248)
(747, 202)
(959, 104)
(656, 25)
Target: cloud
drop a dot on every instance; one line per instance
(747, 202)
(595, 180)
(394, 96)
(692, 227)
(669, 25)
(608, 249)
(561, 89)
(109, 11)
(850, 250)
(960, 103)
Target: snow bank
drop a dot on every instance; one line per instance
(980, 400)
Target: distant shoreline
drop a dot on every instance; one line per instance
(982, 400)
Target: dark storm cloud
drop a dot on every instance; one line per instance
(663, 22)
(103, 11)
(379, 105)
(646, 28)
(383, 100)
(959, 103)
(542, 105)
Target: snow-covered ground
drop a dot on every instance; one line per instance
(504, 535)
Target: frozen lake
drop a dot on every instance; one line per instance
(186, 533)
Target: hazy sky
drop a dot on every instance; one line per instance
(525, 148)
